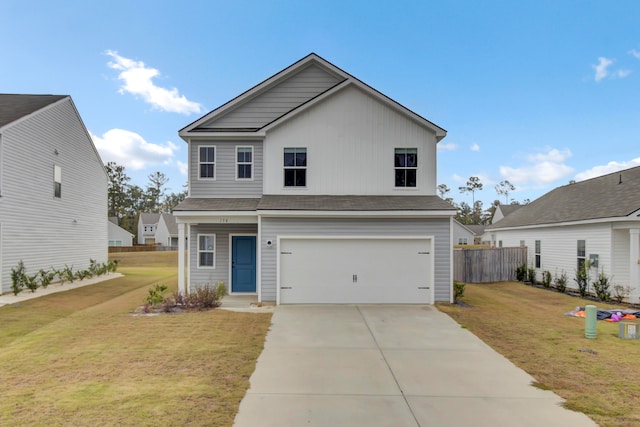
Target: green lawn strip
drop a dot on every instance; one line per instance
(100, 365)
(599, 377)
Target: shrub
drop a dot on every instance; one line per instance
(82, 274)
(521, 272)
(67, 273)
(202, 297)
(620, 293)
(18, 278)
(546, 279)
(31, 282)
(531, 275)
(601, 286)
(582, 278)
(112, 266)
(561, 282)
(458, 290)
(46, 277)
(156, 295)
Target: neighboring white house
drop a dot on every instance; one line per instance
(597, 219)
(313, 187)
(53, 187)
(462, 235)
(167, 231)
(147, 226)
(118, 236)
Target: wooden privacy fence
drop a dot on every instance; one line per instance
(487, 264)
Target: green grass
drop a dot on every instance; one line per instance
(80, 358)
(600, 377)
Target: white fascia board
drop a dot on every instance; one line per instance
(358, 214)
(566, 223)
(243, 136)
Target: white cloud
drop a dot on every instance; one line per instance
(475, 147)
(138, 80)
(183, 167)
(608, 168)
(130, 150)
(602, 68)
(443, 146)
(542, 169)
(634, 53)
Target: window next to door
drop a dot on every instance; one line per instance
(206, 251)
(406, 167)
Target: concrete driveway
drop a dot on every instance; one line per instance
(375, 365)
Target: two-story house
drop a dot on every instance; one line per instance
(313, 187)
(147, 227)
(53, 187)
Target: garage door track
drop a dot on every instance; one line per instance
(388, 365)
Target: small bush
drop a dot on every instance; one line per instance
(561, 282)
(46, 277)
(582, 278)
(620, 293)
(531, 275)
(156, 295)
(67, 274)
(31, 282)
(82, 274)
(546, 279)
(601, 286)
(521, 272)
(112, 266)
(18, 278)
(458, 291)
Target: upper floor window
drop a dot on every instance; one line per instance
(57, 181)
(406, 167)
(295, 167)
(244, 161)
(207, 250)
(207, 162)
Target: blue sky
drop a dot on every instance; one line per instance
(535, 92)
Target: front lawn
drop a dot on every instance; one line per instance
(80, 358)
(600, 377)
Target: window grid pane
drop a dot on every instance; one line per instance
(295, 163)
(206, 250)
(207, 160)
(406, 164)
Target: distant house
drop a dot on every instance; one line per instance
(167, 231)
(147, 226)
(478, 232)
(313, 187)
(462, 234)
(53, 187)
(597, 220)
(118, 236)
(504, 210)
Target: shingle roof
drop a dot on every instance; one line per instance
(318, 203)
(609, 196)
(509, 209)
(13, 107)
(149, 218)
(170, 222)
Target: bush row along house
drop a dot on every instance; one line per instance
(53, 187)
(313, 187)
(597, 220)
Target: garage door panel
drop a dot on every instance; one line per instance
(355, 270)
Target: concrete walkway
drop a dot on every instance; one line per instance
(374, 365)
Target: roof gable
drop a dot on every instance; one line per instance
(149, 218)
(616, 195)
(14, 107)
(288, 92)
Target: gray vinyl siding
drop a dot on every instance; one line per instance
(278, 100)
(37, 228)
(225, 183)
(200, 276)
(439, 228)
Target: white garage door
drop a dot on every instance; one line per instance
(361, 270)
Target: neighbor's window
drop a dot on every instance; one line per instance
(522, 243)
(207, 250)
(406, 167)
(207, 162)
(295, 167)
(538, 253)
(244, 161)
(582, 250)
(57, 181)
(462, 240)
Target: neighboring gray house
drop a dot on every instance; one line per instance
(167, 231)
(597, 219)
(147, 226)
(118, 236)
(462, 234)
(53, 187)
(504, 210)
(313, 187)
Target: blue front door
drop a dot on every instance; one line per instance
(243, 263)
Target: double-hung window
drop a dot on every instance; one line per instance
(538, 254)
(206, 250)
(244, 162)
(295, 167)
(207, 162)
(581, 252)
(57, 181)
(406, 167)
